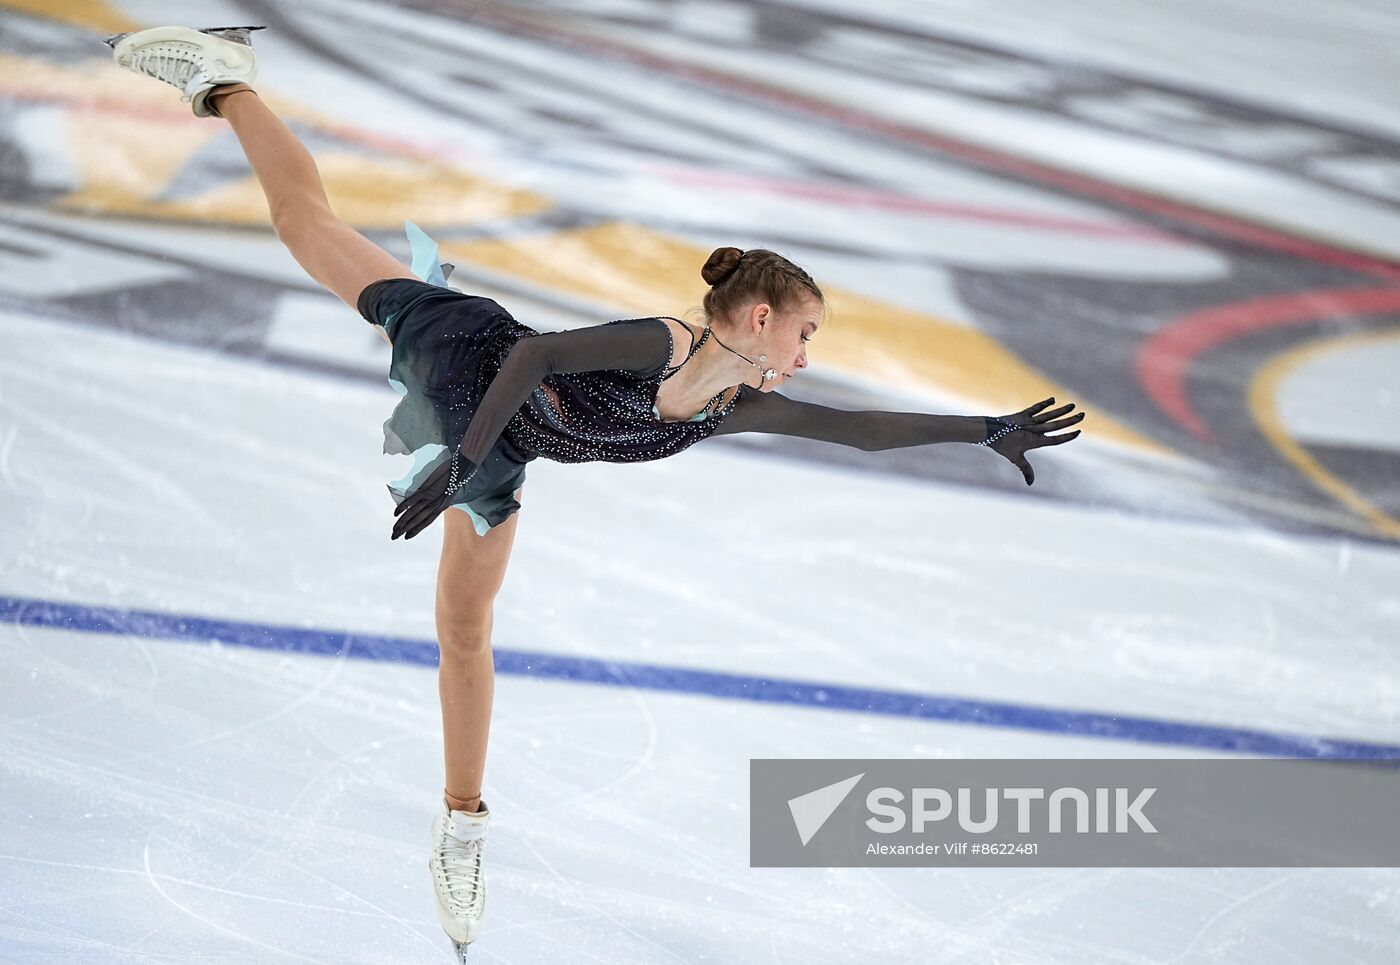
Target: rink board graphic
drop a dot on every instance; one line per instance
(681, 680)
(1015, 275)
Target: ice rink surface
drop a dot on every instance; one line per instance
(219, 730)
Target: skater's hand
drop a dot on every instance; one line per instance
(1029, 432)
(429, 500)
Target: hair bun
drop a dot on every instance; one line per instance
(721, 264)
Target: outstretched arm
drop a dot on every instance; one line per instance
(870, 430)
(1010, 435)
(642, 346)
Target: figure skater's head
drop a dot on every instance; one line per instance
(759, 303)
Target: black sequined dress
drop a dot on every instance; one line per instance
(448, 350)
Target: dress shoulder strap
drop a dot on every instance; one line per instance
(694, 345)
(693, 342)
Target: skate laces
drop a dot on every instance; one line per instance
(167, 65)
(461, 868)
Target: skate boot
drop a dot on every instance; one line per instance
(195, 61)
(455, 864)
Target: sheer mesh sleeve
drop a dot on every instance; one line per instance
(643, 346)
(870, 430)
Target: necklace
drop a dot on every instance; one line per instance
(768, 374)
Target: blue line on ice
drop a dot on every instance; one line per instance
(525, 663)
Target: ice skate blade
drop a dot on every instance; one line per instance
(239, 35)
(461, 948)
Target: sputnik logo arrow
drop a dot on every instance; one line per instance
(810, 810)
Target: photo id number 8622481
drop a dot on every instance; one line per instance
(1004, 847)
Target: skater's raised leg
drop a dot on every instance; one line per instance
(213, 70)
(336, 255)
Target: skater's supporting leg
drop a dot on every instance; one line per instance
(333, 253)
(470, 573)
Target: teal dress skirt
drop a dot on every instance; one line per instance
(447, 347)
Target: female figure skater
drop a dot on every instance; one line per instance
(483, 395)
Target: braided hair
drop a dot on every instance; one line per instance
(736, 277)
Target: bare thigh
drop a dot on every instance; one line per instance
(471, 571)
(338, 257)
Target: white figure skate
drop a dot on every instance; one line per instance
(195, 61)
(455, 863)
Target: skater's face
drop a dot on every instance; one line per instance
(784, 338)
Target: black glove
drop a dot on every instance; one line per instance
(435, 494)
(1012, 435)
